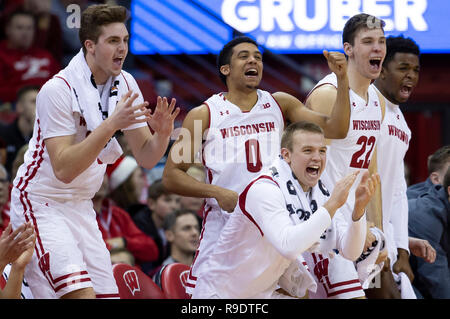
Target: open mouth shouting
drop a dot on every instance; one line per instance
(251, 73)
(375, 64)
(313, 171)
(405, 91)
(117, 62)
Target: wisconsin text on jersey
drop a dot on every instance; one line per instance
(366, 125)
(247, 129)
(402, 136)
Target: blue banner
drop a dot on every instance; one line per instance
(282, 26)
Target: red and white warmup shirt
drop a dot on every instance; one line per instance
(238, 146)
(54, 117)
(257, 244)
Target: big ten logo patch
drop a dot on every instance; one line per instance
(131, 280)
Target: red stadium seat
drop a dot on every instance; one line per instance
(2, 282)
(173, 279)
(133, 283)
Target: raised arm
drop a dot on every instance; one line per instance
(327, 106)
(70, 159)
(181, 157)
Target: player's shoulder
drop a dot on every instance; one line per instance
(56, 87)
(198, 113)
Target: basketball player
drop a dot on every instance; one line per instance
(281, 213)
(399, 76)
(77, 114)
(365, 47)
(241, 129)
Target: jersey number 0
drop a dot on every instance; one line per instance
(253, 155)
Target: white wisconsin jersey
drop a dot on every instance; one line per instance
(355, 150)
(392, 147)
(239, 145)
(55, 118)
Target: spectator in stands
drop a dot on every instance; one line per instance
(18, 133)
(16, 247)
(150, 220)
(21, 63)
(70, 42)
(122, 256)
(127, 184)
(118, 229)
(48, 34)
(429, 219)
(4, 199)
(182, 231)
(20, 156)
(438, 163)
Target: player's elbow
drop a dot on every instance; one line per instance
(167, 180)
(63, 175)
(336, 132)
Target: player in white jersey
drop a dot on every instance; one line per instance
(365, 47)
(398, 78)
(273, 224)
(241, 130)
(77, 114)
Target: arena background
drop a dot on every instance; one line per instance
(174, 43)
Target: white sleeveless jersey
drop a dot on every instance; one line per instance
(392, 147)
(355, 150)
(239, 145)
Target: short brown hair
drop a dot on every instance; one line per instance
(96, 16)
(357, 22)
(286, 139)
(438, 159)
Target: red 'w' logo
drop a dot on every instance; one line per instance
(183, 277)
(131, 280)
(321, 269)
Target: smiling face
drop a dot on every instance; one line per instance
(106, 56)
(307, 158)
(399, 77)
(367, 52)
(245, 68)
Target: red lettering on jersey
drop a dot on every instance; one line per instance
(224, 132)
(82, 121)
(366, 125)
(400, 134)
(262, 127)
(321, 268)
(247, 129)
(131, 280)
(266, 106)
